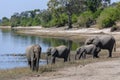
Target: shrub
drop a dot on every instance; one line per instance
(85, 19)
(115, 28)
(74, 18)
(108, 17)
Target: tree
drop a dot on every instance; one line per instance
(69, 7)
(5, 21)
(92, 5)
(15, 20)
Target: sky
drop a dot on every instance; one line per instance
(9, 7)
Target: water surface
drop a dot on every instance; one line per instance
(12, 43)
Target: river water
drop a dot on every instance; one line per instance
(12, 48)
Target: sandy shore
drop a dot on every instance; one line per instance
(107, 70)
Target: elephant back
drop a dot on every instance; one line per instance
(63, 51)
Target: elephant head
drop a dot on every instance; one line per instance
(93, 40)
(37, 52)
(79, 52)
(52, 51)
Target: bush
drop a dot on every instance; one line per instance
(74, 18)
(108, 17)
(114, 28)
(85, 19)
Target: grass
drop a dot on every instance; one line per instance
(17, 73)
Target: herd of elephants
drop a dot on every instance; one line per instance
(93, 46)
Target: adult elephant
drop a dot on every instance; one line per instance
(59, 52)
(33, 54)
(87, 49)
(104, 42)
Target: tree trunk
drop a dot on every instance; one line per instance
(69, 20)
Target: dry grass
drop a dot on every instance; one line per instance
(16, 73)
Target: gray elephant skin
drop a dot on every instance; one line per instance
(33, 54)
(104, 42)
(87, 49)
(59, 52)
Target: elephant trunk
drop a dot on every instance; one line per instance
(47, 59)
(76, 56)
(77, 52)
(37, 64)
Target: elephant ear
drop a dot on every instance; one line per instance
(49, 51)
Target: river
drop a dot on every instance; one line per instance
(13, 45)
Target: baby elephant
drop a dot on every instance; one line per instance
(33, 53)
(59, 52)
(87, 49)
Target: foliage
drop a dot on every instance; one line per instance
(65, 8)
(93, 5)
(85, 19)
(5, 21)
(108, 17)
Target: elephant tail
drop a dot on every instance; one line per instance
(115, 47)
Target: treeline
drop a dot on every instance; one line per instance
(81, 13)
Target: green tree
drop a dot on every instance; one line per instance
(93, 5)
(68, 7)
(5, 21)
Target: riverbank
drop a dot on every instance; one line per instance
(79, 70)
(71, 34)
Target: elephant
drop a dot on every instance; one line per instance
(60, 52)
(87, 49)
(33, 54)
(104, 42)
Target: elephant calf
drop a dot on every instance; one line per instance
(87, 49)
(33, 53)
(59, 52)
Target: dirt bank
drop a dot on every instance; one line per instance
(107, 70)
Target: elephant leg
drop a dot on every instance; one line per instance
(65, 59)
(84, 55)
(53, 60)
(29, 63)
(110, 53)
(80, 55)
(95, 55)
(32, 65)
